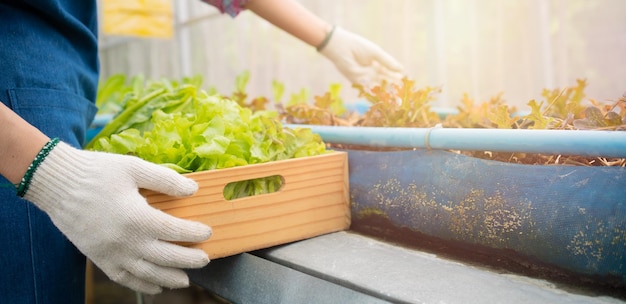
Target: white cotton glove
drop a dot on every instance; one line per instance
(93, 198)
(360, 60)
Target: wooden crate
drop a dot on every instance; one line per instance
(313, 200)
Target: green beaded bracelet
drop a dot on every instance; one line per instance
(28, 176)
(326, 39)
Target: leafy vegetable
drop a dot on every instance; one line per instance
(112, 92)
(402, 105)
(490, 114)
(567, 101)
(539, 121)
(183, 127)
(595, 119)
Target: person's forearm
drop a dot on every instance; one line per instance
(19, 144)
(293, 18)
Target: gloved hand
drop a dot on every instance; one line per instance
(359, 59)
(93, 198)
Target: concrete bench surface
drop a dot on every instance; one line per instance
(345, 267)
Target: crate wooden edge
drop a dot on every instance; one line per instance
(308, 230)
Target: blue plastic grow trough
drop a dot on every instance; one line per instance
(573, 218)
(554, 220)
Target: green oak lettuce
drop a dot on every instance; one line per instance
(184, 128)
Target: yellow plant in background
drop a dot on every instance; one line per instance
(143, 18)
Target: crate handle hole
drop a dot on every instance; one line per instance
(253, 187)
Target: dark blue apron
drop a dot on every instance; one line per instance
(48, 75)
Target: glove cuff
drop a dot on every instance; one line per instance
(24, 184)
(321, 46)
(57, 174)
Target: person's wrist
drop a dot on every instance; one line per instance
(329, 34)
(24, 183)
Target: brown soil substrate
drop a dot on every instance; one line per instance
(499, 260)
(508, 157)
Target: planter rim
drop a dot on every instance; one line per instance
(568, 142)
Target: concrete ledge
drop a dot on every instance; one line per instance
(246, 278)
(345, 267)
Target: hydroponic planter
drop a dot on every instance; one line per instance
(567, 220)
(569, 217)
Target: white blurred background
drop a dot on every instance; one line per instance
(478, 47)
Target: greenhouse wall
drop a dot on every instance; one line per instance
(479, 47)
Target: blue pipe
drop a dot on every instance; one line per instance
(565, 142)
